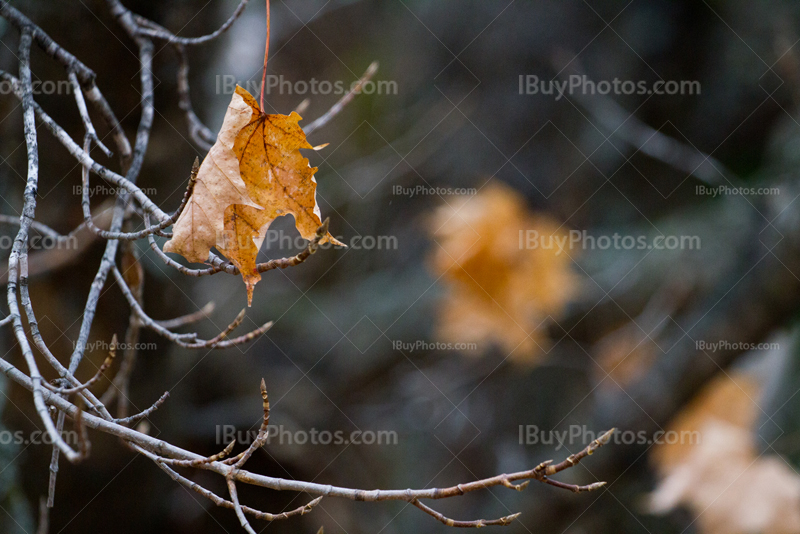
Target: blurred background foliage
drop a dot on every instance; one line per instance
(458, 120)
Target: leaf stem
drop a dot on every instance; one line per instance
(266, 56)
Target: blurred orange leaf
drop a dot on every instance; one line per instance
(715, 470)
(498, 290)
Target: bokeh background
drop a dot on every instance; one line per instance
(557, 339)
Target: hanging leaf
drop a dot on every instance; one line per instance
(254, 174)
(278, 178)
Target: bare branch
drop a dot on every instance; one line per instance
(139, 416)
(17, 261)
(83, 438)
(575, 459)
(194, 317)
(87, 122)
(39, 227)
(219, 501)
(238, 507)
(155, 449)
(646, 139)
(283, 263)
(84, 158)
(302, 106)
(196, 463)
(199, 132)
(478, 523)
(339, 106)
(100, 371)
(131, 202)
(51, 48)
(158, 32)
(189, 340)
(211, 343)
(132, 236)
(261, 438)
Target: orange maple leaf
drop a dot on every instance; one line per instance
(278, 179)
(253, 174)
(498, 291)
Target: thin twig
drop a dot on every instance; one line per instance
(211, 343)
(87, 121)
(189, 340)
(83, 438)
(72, 64)
(100, 371)
(262, 436)
(139, 416)
(165, 35)
(199, 315)
(477, 523)
(35, 225)
(238, 507)
(283, 263)
(339, 106)
(84, 158)
(132, 236)
(197, 463)
(219, 501)
(199, 132)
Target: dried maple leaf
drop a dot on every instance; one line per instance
(498, 292)
(280, 181)
(219, 184)
(253, 174)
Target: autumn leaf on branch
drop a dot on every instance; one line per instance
(253, 174)
(280, 181)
